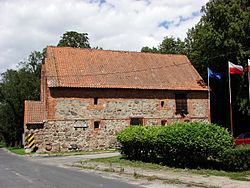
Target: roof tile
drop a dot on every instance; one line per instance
(91, 68)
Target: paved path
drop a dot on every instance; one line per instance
(18, 172)
(68, 160)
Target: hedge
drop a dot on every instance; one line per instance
(191, 145)
(236, 159)
(139, 142)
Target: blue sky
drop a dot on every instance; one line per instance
(28, 25)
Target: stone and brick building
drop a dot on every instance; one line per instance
(89, 95)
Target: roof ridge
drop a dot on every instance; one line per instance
(109, 50)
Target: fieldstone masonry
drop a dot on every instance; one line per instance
(72, 122)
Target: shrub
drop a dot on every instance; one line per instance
(179, 144)
(138, 142)
(2, 143)
(193, 144)
(236, 159)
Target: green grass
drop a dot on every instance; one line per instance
(17, 150)
(124, 162)
(243, 176)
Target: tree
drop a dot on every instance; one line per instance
(222, 35)
(169, 45)
(24, 84)
(75, 40)
(149, 50)
(15, 87)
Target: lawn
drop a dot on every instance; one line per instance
(17, 150)
(243, 176)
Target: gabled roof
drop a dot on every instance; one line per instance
(35, 112)
(91, 68)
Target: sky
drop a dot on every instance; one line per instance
(29, 25)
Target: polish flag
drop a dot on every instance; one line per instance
(235, 69)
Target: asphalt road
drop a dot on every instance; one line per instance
(18, 172)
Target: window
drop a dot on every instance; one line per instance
(96, 124)
(95, 101)
(162, 103)
(136, 121)
(163, 122)
(181, 103)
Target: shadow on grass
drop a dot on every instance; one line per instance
(124, 161)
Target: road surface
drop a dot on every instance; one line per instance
(18, 172)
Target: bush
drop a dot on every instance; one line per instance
(193, 144)
(236, 159)
(2, 143)
(138, 142)
(179, 144)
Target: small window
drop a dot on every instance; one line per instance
(163, 122)
(95, 101)
(96, 124)
(136, 121)
(162, 103)
(181, 103)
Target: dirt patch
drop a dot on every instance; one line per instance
(179, 179)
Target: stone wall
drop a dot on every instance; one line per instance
(72, 114)
(67, 135)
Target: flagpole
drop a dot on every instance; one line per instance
(209, 105)
(248, 72)
(249, 84)
(230, 99)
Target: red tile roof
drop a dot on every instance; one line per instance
(35, 112)
(91, 68)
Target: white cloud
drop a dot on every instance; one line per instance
(28, 25)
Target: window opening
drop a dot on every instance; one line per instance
(96, 124)
(181, 103)
(163, 122)
(95, 101)
(136, 121)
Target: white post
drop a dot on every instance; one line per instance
(230, 99)
(248, 65)
(209, 108)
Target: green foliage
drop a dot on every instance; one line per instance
(2, 143)
(15, 87)
(138, 142)
(75, 40)
(169, 45)
(222, 35)
(149, 50)
(236, 159)
(193, 144)
(190, 145)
